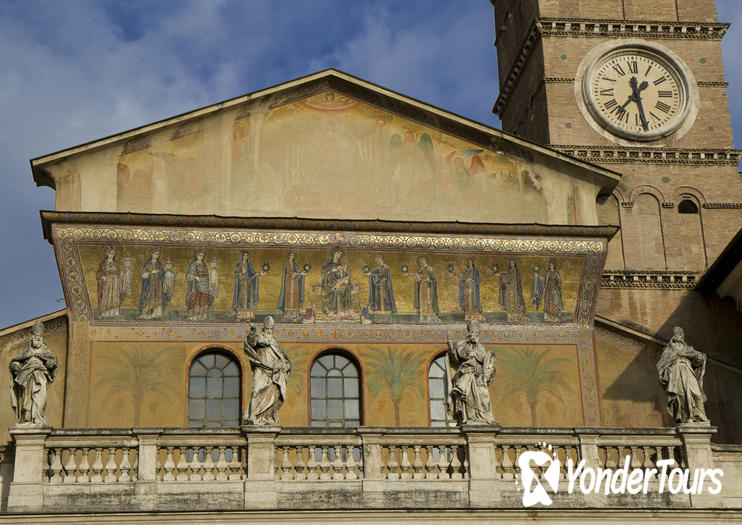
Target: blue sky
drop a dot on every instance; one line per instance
(77, 70)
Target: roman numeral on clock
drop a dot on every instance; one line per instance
(618, 69)
(662, 106)
(659, 81)
(633, 67)
(607, 92)
(664, 94)
(610, 104)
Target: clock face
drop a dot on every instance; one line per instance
(636, 93)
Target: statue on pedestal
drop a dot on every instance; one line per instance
(30, 375)
(470, 369)
(271, 368)
(681, 369)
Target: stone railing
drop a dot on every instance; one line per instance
(84, 470)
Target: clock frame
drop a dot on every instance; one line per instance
(635, 91)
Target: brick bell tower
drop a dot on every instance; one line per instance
(637, 87)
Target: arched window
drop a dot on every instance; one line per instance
(334, 392)
(214, 391)
(687, 206)
(438, 388)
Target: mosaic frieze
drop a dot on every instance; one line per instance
(124, 275)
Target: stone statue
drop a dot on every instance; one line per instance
(470, 370)
(30, 374)
(270, 374)
(681, 370)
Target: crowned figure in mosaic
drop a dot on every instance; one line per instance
(470, 369)
(681, 369)
(271, 368)
(380, 292)
(425, 292)
(108, 279)
(468, 298)
(291, 298)
(31, 373)
(150, 300)
(511, 293)
(246, 288)
(198, 297)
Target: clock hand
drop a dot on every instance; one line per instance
(636, 96)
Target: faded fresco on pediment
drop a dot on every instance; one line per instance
(329, 151)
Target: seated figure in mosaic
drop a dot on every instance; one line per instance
(681, 369)
(471, 369)
(271, 368)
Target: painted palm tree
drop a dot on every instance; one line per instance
(396, 371)
(532, 373)
(138, 372)
(298, 365)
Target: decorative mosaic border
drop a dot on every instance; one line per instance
(67, 237)
(396, 334)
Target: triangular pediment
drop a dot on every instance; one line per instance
(326, 146)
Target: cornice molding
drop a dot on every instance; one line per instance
(665, 29)
(722, 205)
(559, 80)
(619, 154)
(649, 279)
(586, 27)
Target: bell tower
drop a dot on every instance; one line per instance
(637, 87)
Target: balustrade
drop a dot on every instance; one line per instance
(295, 460)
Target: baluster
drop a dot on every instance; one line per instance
(195, 464)
(221, 465)
(125, 466)
(465, 464)
(208, 465)
(312, 465)
(456, 463)
(647, 457)
(69, 466)
(182, 465)
(284, 468)
(406, 465)
(508, 470)
(351, 464)
(392, 466)
(417, 464)
(443, 462)
(97, 466)
(169, 466)
(299, 463)
(610, 459)
(325, 465)
(56, 466)
(235, 465)
(84, 467)
(635, 463)
(337, 465)
(430, 465)
(110, 468)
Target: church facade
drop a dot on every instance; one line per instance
(375, 231)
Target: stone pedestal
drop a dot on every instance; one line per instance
(697, 440)
(483, 479)
(26, 488)
(260, 485)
